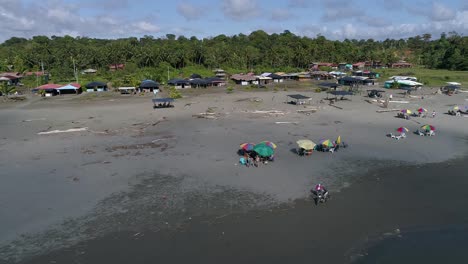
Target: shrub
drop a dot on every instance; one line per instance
(174, 93)
(318, 90)
(230, 90)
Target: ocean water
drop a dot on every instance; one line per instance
(437, 245)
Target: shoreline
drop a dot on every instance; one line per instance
(339, 232)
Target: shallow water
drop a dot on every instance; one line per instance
(437, 245)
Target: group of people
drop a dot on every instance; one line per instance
(251, 158)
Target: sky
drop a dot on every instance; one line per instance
(334, 19)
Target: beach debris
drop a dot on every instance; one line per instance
(400, 102)
(286, 122)
(307, 111)
(206, 115)
(63, 131)
(270, 112)
(37, 119)
(388, 110)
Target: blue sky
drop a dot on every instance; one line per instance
(334, 19)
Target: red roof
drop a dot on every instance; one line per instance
(77, 85)
(49, 86)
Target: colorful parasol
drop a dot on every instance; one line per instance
(456, 108)
(402, 130)
(269, 143)
(422, 110)
(428, 128)
(247, 146)
(326, 143)
(306, 144)
(338, 140)
(406, 111)
(263, 150)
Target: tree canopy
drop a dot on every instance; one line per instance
(57, 54)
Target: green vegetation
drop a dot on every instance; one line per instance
(230, 90)
(6, 90)
(174, 93)
(429, 77)
(169, 57)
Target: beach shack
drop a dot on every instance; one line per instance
(199, 83)
(179, 83)
(49, 89)
(276, 77)
(215, 81)
(148, 86)
(96, 87)
(298, 99)
(244, 79)
(127, 90)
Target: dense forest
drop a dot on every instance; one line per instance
(257, 51)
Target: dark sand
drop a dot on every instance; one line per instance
(383, 204)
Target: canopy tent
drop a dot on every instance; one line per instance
(68, 87)
(163, 100)
(349, 80)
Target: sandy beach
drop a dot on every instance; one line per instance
(78, 169)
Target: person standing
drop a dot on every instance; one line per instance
(433, 113)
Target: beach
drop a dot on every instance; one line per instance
(111, 174)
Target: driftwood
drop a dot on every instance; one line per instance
(336, 106)
(400, 102)
(206, 115)
(271, 112)
(63, 131)
(388, 110)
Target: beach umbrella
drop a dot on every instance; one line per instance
(422, 110)
(269, 143)
(456, 108)
(306, 144)
(428, 128)
(263, 150)
(338, 140)
(326, 143)
(406, 111)
(247, 146)
(402, 129)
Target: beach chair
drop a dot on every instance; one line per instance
(431, 133)
(403, 135)
(332, 150)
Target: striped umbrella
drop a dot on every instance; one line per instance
(406, 111)
(428, 128)
(402, 130)
(422, 110)
(247, 146)
(269, 143)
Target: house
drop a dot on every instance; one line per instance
(359, 65)
(220, 73)
(321, 75)
(244, 79)
(263, 80)
(276, 77)
(401, 64)
(50, 89)
(304, 76)
(96, 87)
(215, 81)
(114, 67)
(316, 65)
(291, 76)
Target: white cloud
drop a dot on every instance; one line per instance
(240, 9)
(189, 11)
(57, 17)
(441, 12)
(279, 14)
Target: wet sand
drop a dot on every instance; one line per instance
(381, 205)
